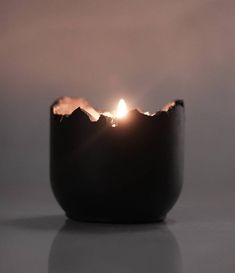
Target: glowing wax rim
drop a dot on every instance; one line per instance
(65, 107)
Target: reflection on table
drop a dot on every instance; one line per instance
(84, 247)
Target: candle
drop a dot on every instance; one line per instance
(120, 166)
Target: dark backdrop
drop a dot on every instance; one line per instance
(149, 52)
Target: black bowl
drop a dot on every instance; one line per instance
(125, 174)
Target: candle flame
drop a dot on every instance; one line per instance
(121, 109)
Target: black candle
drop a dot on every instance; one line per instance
(116, 169)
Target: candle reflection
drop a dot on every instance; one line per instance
(82, 247)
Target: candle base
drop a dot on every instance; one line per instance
(114, 219)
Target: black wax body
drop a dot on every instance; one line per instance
(125, 174)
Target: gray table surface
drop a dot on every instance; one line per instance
(198, 236)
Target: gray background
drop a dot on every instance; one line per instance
(149, 52)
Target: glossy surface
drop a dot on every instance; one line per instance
(197, 237)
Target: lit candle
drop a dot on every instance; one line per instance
(125, 166)
(120, 113)
(121, 109)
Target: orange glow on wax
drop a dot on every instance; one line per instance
(121, 109)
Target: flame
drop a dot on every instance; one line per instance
(121, 109)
